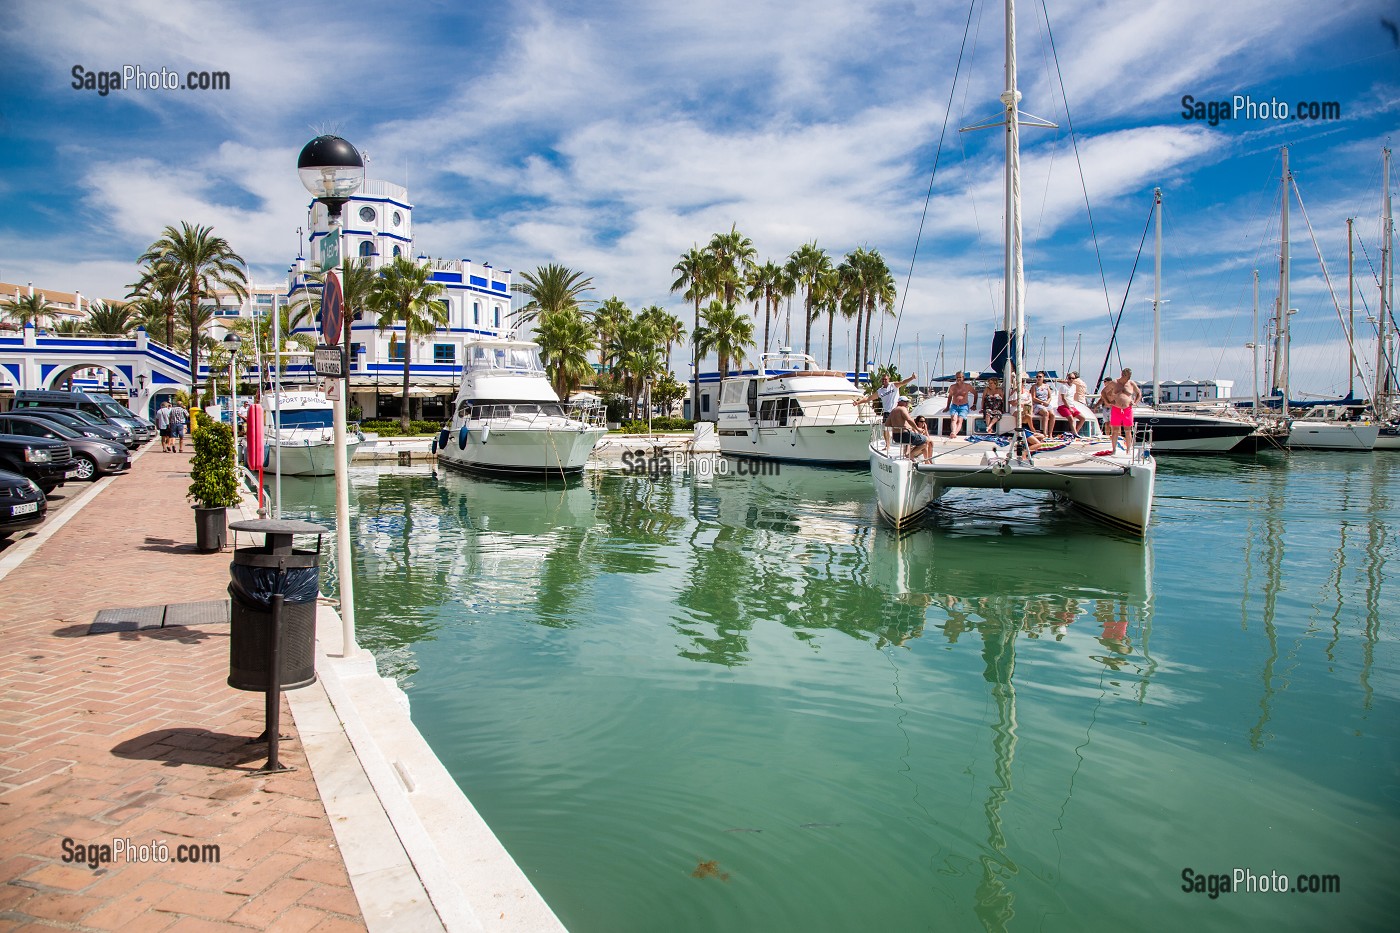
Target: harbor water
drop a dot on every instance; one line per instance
(740, 702)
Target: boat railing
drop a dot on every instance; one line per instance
(515, 413)
(821, 415)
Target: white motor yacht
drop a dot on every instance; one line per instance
(509, 420)
(1325, 427)
(789, 409)
(304, 445)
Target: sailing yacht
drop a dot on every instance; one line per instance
(789, 409)
(1112, 486)
(1384, 396)
(1181, 432)
(508, 419)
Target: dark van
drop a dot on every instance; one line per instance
(100, 406)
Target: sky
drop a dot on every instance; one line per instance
(612, 137)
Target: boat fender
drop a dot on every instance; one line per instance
(485, 432)
(442, 439)
(433, 448)
(461, 441)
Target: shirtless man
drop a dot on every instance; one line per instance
(1120, 395)
(901, 420)
(962, 396)
(888, 394)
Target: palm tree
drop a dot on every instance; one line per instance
(205, 262)
(608, 319)
(159, 289)
(668, 328)
(806, 266)
(694, 278)
(727, 332)
(28, 309)
(565, 339)
(550, 288)
(404, 294)
(855, 273)
(731, 257)
(356, 286)
(825, 297)
(111, 320)
(769, 283)
(882, 294)
(69, 328)
(636, 357)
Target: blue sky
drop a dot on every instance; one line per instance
(612, 137)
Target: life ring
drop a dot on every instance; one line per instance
(462, 438)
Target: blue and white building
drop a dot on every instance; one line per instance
(377, 225)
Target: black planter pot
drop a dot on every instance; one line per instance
(210, 528)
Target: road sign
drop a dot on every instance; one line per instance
(330, 250)
(332, 310)
(330, 361)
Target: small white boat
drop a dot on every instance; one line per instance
(305, 443)
(788, 409)
(508, 419)
(1324, 428)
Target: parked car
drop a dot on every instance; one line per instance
(95, 422)
(91, 457)
(45, 461)
(85, 424)
(101, 405)
(22, 503)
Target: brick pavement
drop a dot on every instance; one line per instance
(135, 736)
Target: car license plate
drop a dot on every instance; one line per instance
(70, 474)
(24, 508)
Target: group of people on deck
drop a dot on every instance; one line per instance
(1037, 403)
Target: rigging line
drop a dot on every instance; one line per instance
(928, 198)
(1083, 186)
(1113, 335)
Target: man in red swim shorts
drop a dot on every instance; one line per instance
(1120, 395)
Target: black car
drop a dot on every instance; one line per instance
(22, 503)
(45, 461)
(92, 457)
(104, 428)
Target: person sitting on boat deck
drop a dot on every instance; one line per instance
(1075, 389)
(993, 405)
(962, 395)
(907, 431)
(1043, 404)
(1067, 411)
(888, 394)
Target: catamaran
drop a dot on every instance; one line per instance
(508, 418)
(1115, 488)
(789, 409)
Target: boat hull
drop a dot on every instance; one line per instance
(1115, 490)
(306, 459)
(522, 451)
(1388, 438)
(1186, 433)
(1304, 435)
(841, 445)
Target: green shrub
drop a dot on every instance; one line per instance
(389, 427)
(214, 469)
(657, 424)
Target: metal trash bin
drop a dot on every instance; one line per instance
(257, 575)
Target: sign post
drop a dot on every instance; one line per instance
(330, 250)
(329, 360)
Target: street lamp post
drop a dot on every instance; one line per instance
(332, 170)
(231, 342)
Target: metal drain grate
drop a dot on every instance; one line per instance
(208, 612)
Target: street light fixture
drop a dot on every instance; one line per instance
(332, 170)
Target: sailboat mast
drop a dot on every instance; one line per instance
(1384, 380)
(1157, 296)
(1281, 352)
(1014, 312)
(1254, 347)
(1351, 315)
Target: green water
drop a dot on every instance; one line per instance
(743, 704)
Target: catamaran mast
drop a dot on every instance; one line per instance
(1014, 313)
(1157, 296)
(1384, 380)
(1281, 351)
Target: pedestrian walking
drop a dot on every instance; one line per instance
(179, 418)
(163, 426)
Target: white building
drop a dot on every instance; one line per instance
(1192, 390)
(377, 225)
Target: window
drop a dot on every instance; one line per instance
(396, 348)
(444, 353)
(476, 312)
(367, 249)
(367, 214)
(397, 252)
(398, 218)
(498, 315)
(355, 350)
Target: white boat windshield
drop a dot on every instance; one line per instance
(519, 358)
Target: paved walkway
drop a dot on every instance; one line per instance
(135, 736)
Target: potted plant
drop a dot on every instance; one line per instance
(213, 483)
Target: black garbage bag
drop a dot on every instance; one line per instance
(255, 586)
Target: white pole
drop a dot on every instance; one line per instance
(1255, 345)
(277, 403)
(1283, 328)
(1384, 383)
(342, 507)
(1157, 297)
(1013, 313)
(233, 393)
